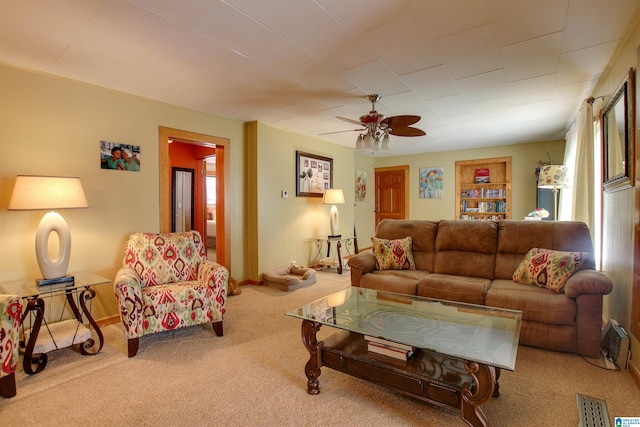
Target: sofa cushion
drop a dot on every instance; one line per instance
(400, 281)
(548, 268)
(166, 257)
(537, 304)
(471, 290)
(466, 248)
(423, 236)
(516, 237)
(176, 305)
(394, 254)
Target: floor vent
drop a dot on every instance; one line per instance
(592, 412)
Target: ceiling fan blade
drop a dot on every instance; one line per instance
(341, 131)
(401, 121)
(355, 122)
(407, 131)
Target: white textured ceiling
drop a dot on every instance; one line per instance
(479, 72)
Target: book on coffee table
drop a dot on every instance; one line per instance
(389, 348)
(388, 343)
(390, 351)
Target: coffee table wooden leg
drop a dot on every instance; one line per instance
(485, 379)
(312, 368)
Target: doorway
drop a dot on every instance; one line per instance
(182, 200)
(391, 193)
(202, 146)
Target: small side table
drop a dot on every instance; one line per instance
(61, 333)
(334, 252)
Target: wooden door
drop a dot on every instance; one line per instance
(391, 190)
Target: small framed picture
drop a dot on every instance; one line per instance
(122, 157)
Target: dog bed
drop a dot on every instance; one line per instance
(289, 278)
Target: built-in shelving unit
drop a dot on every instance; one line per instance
(483, 189)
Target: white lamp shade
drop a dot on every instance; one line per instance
(368, 142)
(385, 142)
(553, 177)
(35, 192)
(333, 196)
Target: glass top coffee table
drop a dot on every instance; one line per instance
(453, 351)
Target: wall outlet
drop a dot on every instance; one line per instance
(284, 194)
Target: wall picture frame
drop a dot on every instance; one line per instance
(314, 174)
(361, 186)
(431, 183)
(617, 121)
(122, 157)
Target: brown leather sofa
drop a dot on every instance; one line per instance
(474, 262)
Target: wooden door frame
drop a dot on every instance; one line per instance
(222, 212)
(405, 169)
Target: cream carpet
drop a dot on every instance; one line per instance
(254, 375)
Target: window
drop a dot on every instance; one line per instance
(211, 190)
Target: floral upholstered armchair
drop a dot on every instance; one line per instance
(10, 313)
(166, 282)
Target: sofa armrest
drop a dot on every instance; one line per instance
(361, 264)
(215, 276)
(365, 262)
(587, 282)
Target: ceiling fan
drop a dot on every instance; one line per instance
(376, 128)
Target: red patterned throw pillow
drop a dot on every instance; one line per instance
(396, 254)
(548, 268)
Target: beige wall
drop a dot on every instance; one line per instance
(282, 230)
(53, 126)
(525, 159)
(364, 211)
(618, 207)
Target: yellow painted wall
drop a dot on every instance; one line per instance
(525, 159)
(282, 230)
(618, 207)
(364, 210)
(53, 126)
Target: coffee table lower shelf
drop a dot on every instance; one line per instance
(435, 378)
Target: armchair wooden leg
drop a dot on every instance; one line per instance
(8, 385)
(133, 344)
(217, 327)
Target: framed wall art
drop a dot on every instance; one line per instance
(431, 183)
(361, 186)
(618, 136)
(314, 174)
(122, 157)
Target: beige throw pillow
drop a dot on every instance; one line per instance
(395, 254)
(548, 268)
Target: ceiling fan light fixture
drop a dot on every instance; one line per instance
(384, 144)
(377, 127)
(368, 143)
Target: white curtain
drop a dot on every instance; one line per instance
(577, 202)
